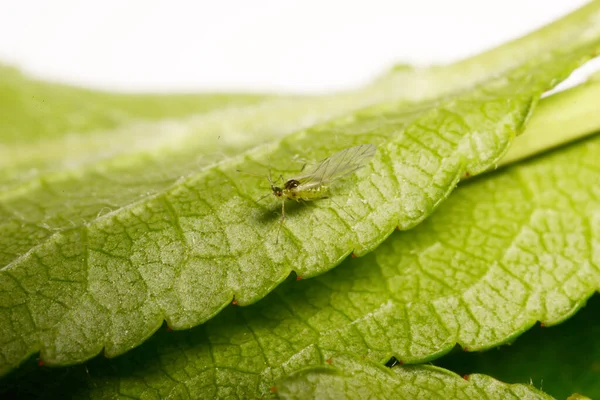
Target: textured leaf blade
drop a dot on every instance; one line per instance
(68, 177)
(560, 360)
(49, 128)
(35, 110)
(577, 118)
(352, 378)
(110, 282)
(393, 302)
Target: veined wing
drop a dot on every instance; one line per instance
(338, 165)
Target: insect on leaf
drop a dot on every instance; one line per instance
(314, 184)
(338, 165)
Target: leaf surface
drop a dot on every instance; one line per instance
(576, 116)
(351, 378)
(503, 252)
(97, 253)
(560, 360)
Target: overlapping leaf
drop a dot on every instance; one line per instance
(559, 120)
(352, 378)
(98, 253)
(500, 254)
(560, 360)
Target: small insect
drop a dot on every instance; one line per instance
(314, 183)
(392, 362)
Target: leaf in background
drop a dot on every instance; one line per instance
(498, 255)
(352, 378)
(576, 116)
(559, 360)
(97, 254)
(34, 110)
(50, 128)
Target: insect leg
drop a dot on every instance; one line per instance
(281, 219)
(263, 197)
(340, 208)
(305, 204)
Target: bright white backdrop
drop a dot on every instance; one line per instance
(261, 45)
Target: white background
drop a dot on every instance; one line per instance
(278, 45)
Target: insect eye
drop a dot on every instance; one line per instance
(292, 183)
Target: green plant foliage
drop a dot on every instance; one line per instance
(558, 120)
(522, 248)
(99, 248)
(559, 360)
(34, 111)
(351, 378)
(118, 212)
(521, 244)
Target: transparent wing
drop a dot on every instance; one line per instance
(338, 165)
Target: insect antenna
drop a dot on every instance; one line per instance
(249, 173)
(259, 176)
(263, 197)
(270, 178)
(341, 208)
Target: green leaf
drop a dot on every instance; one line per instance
(58, 183)
(351, 377)
(98, 252)
(32, 110)
(576, 116)
(560, 360)
(500, 254)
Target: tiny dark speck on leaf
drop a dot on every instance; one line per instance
(273, 389)
(299, 278)
(392, 362)
(466, 377)
(353, 255)
(329, 361)
(234, 302)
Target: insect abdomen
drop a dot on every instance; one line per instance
(307, 194)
